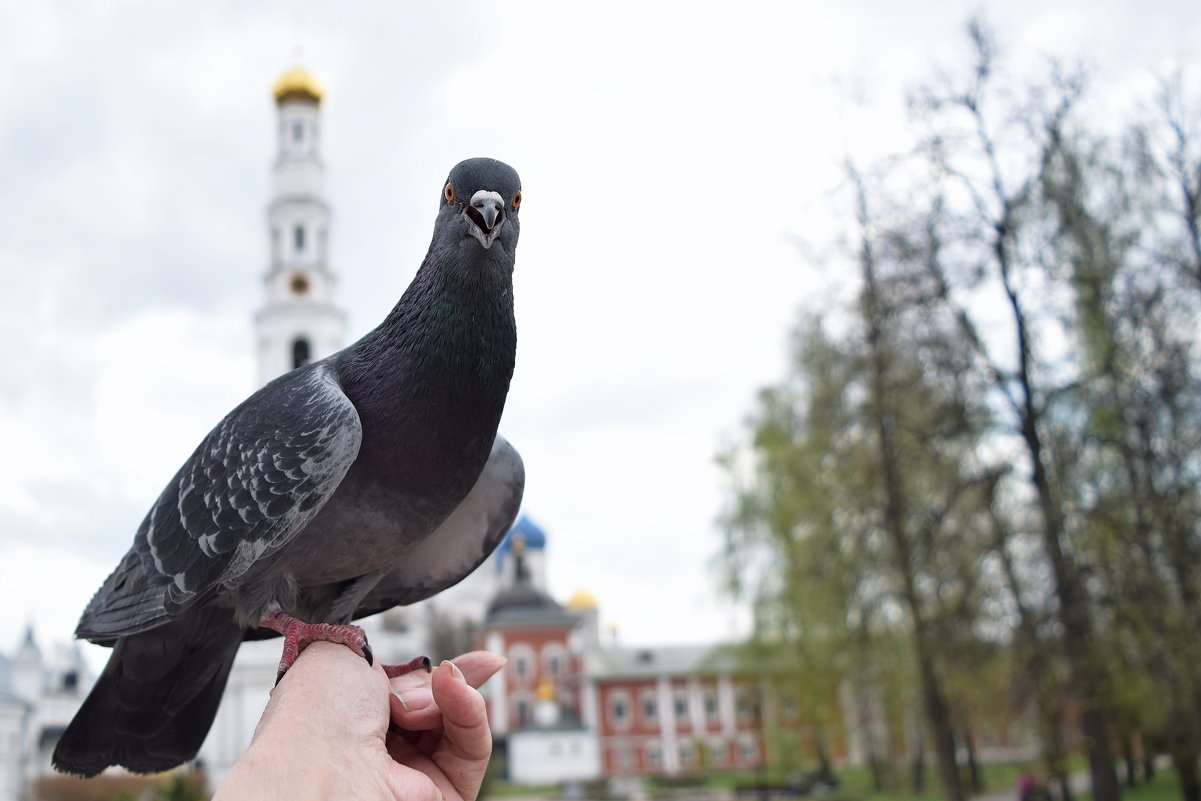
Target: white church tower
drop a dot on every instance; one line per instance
(299, 322)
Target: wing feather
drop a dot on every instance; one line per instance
(251, 485)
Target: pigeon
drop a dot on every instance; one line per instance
(369, 479)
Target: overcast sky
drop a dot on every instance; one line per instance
(671, 156)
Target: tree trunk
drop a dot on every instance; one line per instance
(1065, 787)
(1051, 721)
(883, 419)
(975, 777)
(825, 769)
(1186, 769)
(1085, 669)
(918, 768)
(875, 770)
(1131, 766)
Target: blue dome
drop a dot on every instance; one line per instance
(535, 537)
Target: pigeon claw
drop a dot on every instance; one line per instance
(420, 663)
(298, 635)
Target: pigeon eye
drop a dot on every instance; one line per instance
(517, 200)
(449, 192)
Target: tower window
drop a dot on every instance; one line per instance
(301, 354)
(298, 238)
(297, 132)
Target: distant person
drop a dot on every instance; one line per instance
(1027, 787)
(336, 728)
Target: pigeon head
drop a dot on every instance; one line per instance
(480, 201)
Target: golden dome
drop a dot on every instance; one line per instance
(298, 84)
(582, 601)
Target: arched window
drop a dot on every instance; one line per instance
(301, 355)
(298, 238)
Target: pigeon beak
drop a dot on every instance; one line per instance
(485, 215)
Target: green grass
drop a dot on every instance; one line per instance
(856, 785)
(1164, 787)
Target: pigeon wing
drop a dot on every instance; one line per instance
(462, 542)
(252, 484)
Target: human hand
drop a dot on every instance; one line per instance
(440, 728)
(334, 729)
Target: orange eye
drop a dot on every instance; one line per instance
(517, 200)
(449, 192)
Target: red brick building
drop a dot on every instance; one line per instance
(671, 711)
(568, 707)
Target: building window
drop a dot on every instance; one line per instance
(301, 354)
(654, 755)
(623, 756)
(746, 703)
(681, 704)
(554, 659)
(525, 713)
(711, 712)
(298, 238)
(521, 656)
(650, 708)
(298, 132)
(717, 753)
(749, 752)
(619, 708)
(687, 754)
(788, 704)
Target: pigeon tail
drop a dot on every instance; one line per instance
(156, 699)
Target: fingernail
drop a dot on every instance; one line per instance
(454, 670)
(415, 699)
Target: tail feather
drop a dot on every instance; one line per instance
(155, 701)
(127, 603)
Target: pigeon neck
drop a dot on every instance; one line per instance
(442, 359)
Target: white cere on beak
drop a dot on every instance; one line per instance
(485, 216)
(490, 205)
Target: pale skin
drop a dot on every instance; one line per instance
(325, 733)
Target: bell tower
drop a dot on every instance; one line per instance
(298, 322)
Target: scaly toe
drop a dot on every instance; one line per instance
(421, 662)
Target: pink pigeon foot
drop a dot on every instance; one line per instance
(420, 663)
(298, 635)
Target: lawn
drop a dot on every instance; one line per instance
(1164, 787)
(855, 785)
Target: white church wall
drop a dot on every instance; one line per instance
(545, 757)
